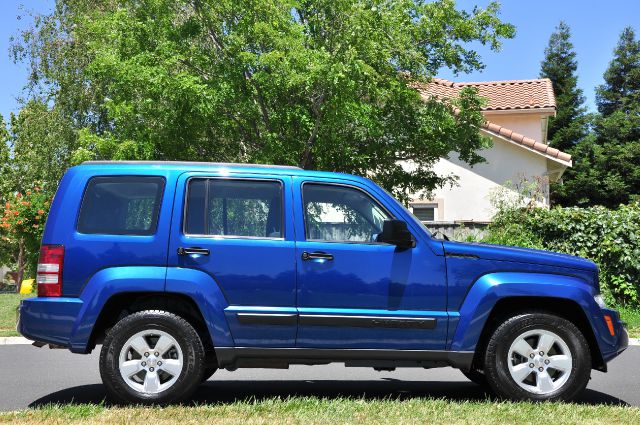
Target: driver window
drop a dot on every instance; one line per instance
(341, 214)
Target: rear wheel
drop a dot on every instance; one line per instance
(152, 357)
(537, 356)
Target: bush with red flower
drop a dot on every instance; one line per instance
(23, 218)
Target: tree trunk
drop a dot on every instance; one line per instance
(21, 265)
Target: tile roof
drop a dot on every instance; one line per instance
(515, 95)
(500, 95)
(526, 141)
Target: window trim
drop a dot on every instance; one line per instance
(153, 230)
(349, 186)
(208, 178)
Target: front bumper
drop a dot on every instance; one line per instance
(612, 345)
(49, 320)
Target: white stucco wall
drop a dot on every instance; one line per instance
(470, 199)
(529, 124)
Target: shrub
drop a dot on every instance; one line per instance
(611, 238)
(21, 224)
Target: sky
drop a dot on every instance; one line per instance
(595, 25)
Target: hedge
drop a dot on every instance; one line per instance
(611, 238)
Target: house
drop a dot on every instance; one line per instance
(517, 114)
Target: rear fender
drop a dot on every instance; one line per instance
(102, 286)
(206, 293)
(200, 287)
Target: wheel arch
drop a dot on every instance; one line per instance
(123, 304)
(496, 294)
(112, 291)
(562, 307)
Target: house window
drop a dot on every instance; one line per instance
(425, 212)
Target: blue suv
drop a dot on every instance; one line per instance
(179, 269)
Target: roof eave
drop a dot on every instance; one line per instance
(547, 111)
(549, 157)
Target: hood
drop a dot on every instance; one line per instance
(519, 255)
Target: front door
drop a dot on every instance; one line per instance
(355, 292)
(238, 230)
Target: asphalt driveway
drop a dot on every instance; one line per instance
(30, 377)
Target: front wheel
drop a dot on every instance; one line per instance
(537, 356)
(152, 357)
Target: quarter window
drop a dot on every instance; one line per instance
(227, 207)
(341, 214)
(121, 205)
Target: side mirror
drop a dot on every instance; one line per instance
(395, 232)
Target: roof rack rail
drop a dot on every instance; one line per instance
(196, 163)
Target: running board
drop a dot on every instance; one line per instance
(232, 358)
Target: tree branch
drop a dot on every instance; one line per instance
(306, 159)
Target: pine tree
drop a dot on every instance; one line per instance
(560, 66)
(607, 163)
(621, 90)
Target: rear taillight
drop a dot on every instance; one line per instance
(49, 277)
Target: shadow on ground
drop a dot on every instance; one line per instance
(221, 392)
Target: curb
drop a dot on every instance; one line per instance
(19, 340)
(15, 340)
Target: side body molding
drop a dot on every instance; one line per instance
(490, 288)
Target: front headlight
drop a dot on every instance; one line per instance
(600, 301)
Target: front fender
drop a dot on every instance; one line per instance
(490, 288)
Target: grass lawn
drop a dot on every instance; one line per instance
(632, 317)
(8, 305)
(311, 410)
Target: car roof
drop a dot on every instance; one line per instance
(209, 166)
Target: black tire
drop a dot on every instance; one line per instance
(184, 335)
(497, 359)
(476, 376)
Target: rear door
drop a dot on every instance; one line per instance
(237, 229)
(355, 292)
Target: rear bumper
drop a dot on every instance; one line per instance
(49, 320)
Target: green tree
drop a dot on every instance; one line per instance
(607, 163)
(621, 88)
(42, 141)
(560, 66)
(317, 83)
(34, 152)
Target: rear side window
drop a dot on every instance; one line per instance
(122, 205)
(227, 207)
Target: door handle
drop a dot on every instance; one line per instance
(317, 255)
(193, 250)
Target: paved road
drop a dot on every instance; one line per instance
(31, 376)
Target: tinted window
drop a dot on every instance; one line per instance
(424, 213)
(224, 207)
(339, 213)
(126, 205)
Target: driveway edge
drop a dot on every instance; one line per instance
(14, 340)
